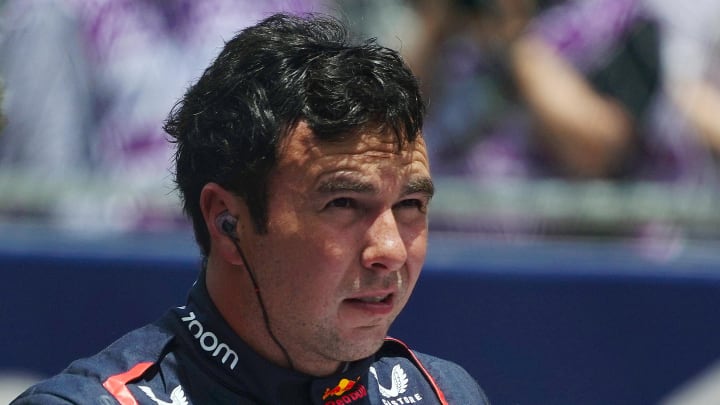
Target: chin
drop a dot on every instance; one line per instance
(363, 348)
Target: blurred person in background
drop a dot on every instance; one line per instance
(615, 87)
(621, 89)
(561, 90)
(497, 85)
(301, 162)
(88, 84)
(477, 124)
(589, 71)
(567, 89)
(474, 113)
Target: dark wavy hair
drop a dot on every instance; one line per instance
(267, 79)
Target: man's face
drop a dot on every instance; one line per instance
(347, 235)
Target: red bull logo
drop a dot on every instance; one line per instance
(346, 392)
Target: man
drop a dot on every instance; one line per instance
(301, 163)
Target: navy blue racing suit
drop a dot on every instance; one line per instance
(191, 356)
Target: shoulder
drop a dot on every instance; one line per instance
(456, 383)
(450, 379)
(65, 388)
(91, 380)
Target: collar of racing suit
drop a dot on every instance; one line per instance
(232, 363)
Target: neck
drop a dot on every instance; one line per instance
(233, 293)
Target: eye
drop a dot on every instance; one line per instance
(416, 203)
(342, 202)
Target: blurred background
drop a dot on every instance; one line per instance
(574, 144)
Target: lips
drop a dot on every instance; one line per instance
(373, 296)
(379, 303)
(373, 299)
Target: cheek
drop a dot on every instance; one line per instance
(313, 266)
(416, 249)
(416, 245)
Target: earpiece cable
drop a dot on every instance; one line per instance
(266, 318)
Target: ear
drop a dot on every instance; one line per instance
(215, 201)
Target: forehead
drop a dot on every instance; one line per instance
(303, 152)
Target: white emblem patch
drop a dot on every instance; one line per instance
(399, 382)
(177, 396)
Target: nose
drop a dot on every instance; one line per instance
(385, 249)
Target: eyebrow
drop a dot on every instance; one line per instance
(339, 185)
(422, 185)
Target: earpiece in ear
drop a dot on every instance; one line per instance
(227, 223)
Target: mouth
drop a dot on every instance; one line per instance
(373, 299)
(376, 304)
